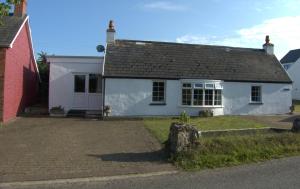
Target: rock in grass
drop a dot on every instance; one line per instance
(296, 126)
(181, 137)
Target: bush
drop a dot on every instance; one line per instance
(206, 113)
(184, 118)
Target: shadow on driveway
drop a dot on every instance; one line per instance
(155, 156)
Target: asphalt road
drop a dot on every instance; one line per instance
(282, 173)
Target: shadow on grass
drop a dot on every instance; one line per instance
(155, 156)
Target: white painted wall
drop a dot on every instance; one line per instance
(276, 99)
(132, 97)
(294, 73)
(61, 82)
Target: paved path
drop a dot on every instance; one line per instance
(283, 173)
(57, 148)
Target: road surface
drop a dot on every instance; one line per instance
(282, 173)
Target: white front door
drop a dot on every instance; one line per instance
(87, 92)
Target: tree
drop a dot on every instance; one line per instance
(5, 7)
(43, 67)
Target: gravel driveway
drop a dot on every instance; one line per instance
(53, 148)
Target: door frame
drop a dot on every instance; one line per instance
(86, 93)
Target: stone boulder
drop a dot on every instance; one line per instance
(181, 137)
(296, 126)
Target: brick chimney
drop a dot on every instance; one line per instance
(110, 32)
(268, 47)
(21, 9)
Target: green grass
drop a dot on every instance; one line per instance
(159, 127)
(296, 103)
(235, 150)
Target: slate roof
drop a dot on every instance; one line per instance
(9, 29)
(149, 59)
(291, 56)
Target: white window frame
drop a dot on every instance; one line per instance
(216, 86)
(261, 97)
(165, 86)
(192, 91)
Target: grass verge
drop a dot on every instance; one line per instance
(159, 127)
(235, 150)
(296, 103)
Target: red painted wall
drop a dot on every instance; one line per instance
(20, 77)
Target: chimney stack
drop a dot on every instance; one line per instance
(21, 9)
(110, 32)
(268, 47)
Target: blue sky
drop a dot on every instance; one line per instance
(65, 27)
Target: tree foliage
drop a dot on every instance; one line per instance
(5, 7)
(43, 67)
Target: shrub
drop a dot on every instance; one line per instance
(206, 113)
(184, 118)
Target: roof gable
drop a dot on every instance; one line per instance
(10, 29)
(291, 56)
(146, 59)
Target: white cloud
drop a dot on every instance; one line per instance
(284, 33)
(165, 5)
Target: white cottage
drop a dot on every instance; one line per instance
(291, 62)
(149, 78)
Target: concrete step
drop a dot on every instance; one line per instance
(76, 113)
(36, 110)
(93, 114)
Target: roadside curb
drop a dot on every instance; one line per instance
(82, 180)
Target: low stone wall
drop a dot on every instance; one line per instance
(216, 133)
(183, 137)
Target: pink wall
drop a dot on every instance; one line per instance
(20, 77)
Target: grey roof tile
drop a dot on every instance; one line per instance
(9, 29)
(148, 59)
(291, 56)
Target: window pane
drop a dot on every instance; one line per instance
(186, 85)
(209, 86)
(218, 97)
(209, 97)
(79, 83)
(94, 83)
(186, 96)
(198, 97)
(158, 91)
(256, 93)
(198, 85)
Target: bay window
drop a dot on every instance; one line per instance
(201, 94)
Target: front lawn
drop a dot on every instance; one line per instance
(159, 127)
(235, 150)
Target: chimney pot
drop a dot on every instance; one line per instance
(111, 25)
(21, 9)
(267, 39)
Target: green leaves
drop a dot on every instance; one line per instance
(184, 118)
(5, 7)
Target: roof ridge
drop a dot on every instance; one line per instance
(191, 44)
